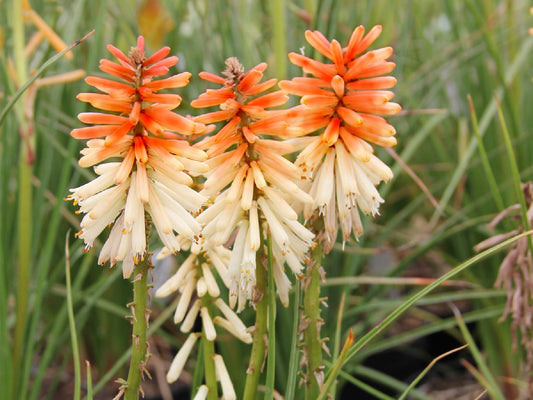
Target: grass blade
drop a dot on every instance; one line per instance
(426, 370)
(294, 359)
(491, 385)
(72, 324)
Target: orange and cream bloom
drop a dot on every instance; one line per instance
(148, 159)
(344, 100)
(251, 181)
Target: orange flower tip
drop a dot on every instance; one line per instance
(337, 83)
(208, 76)
(284, 85)
(209, 128)
(294, 57)
(394, 107)
(198, 128)
(261, 67)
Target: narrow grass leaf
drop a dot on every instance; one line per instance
(515, 175)
(294, 359)
(491, 385)
(496, 195)
(426, 370)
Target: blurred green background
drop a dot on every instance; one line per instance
(437, 206)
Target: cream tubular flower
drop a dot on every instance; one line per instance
(202, 392)
(228, 393)
(181, 358)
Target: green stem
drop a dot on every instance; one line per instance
(24, 214)
(271, 356)
(294, 356)
(313, 321)
(258, 346)
(279, 45)
(72, 325)
(140, 325)
(209, 364)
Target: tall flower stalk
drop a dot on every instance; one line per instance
(148, 174)
(341, 106)
(252, 187)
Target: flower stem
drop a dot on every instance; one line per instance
(209, 364)
(313, 322)
(271, 356)
(140, 325)
(258, 346)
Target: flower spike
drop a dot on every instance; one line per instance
(343, 101)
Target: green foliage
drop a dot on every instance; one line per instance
(445, 51)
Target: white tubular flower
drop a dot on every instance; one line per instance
(283, 284)
(202, 392)
(245, 337)
(201, 287)
(207, 323)
(228, 392)
(181, 358)
(210, 281)
(189, 320)
(185, 299)
(236, 326)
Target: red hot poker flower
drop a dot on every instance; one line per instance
(344, 100)
(251, 178)
(151, 174)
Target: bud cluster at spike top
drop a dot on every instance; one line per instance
(253, 182)
(344, 101)
(150, 160)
